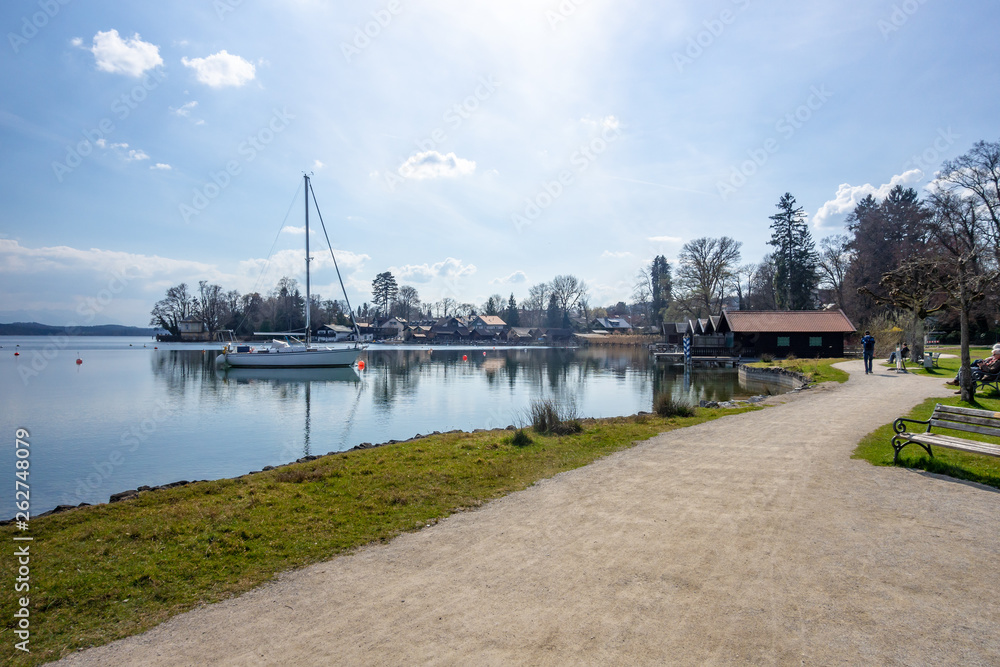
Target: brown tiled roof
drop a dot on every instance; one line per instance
(789, 321)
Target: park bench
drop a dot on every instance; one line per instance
(983, 422)
(988, 380)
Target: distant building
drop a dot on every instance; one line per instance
(521, 335)
(336, 332)
(488, 325)
(611, 324)
(192, 329)
(804, 333)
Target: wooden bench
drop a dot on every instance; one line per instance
(986, 380)
(983, 422)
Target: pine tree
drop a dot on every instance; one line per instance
(795, 256)
(661, 285)
(553, 314)
(384, 291)
(512, 316)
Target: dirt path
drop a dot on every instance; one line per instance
(752, 539)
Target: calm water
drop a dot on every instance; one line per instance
(131, 415)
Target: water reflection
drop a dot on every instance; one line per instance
(293, 384)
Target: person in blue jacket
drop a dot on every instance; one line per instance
(868, 350)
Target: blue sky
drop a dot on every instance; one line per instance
(470, 147)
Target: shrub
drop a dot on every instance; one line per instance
(767, 358)
(545, 417)
(520, 438)
(666, 405)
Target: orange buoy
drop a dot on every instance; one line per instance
(361, 365)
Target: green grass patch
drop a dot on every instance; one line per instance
(109, 571)
(947, 367)
(816, 370)
(877, 450)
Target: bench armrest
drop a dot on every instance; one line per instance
(899, 426)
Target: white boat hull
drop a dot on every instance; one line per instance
(292, 358)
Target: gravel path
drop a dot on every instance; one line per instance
(753, 539)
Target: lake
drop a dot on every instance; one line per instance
(132, 415)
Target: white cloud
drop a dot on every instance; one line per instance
(128, 154)
(449, 269)
(15, 258)
(130, 56)
(292, 229)
(665, 239)
(161, 166)
(263, 274)
(77, 42)
(318, 165)
(516, 278)
(221, 69)
(605, 123)
(124, 152)
(607, 254)
(185, 109)
(434, 165)
(848, 196)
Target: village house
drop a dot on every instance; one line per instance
(612, 324)
(488, 326)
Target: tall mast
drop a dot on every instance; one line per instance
(308, 297)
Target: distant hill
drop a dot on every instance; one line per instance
(36, 329)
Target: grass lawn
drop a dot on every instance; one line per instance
(947, 368)
(875, 447)
(109, 571)
(817, 370)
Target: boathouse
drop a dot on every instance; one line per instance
(804, 333)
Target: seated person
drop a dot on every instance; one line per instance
(983, 367)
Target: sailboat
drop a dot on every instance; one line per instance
(281, 354)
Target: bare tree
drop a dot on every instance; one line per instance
(977, 173)
(211, 306)
(407, 301)
(536, 303)
(958, 268)
(706, 267)
(834, 260)
(168, 312)
(568, 291)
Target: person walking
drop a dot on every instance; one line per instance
(868, 351)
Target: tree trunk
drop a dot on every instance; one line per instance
(968, 384)
(917, 346)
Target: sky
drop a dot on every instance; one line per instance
(469, 147)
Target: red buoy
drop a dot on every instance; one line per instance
(361, 365)
(465, 357)
(17, 354)
(79, 361)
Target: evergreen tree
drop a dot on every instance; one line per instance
(553, 314)
(512, 316)
(384, 291)
(661, 284)
(795, 256)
